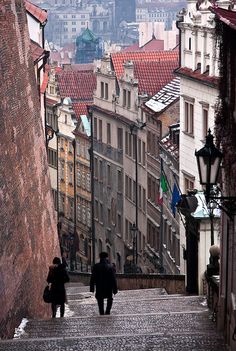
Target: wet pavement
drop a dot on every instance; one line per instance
(147, 319)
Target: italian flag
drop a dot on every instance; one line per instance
(163, 189)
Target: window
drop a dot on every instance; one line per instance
(102, 90)
(73, 16)
(124, 97)
(52, 157)
(101, 213)
(144, 200)
(108, 217)
(51, 90)
(88, 181)
(119, 224)
(108, 134)
(71, 209)
(188, 183)
(73, 29)
(96, 209)
(189, 44)
(128, 99)
(139, 151)
(96, 168)
(95, 128)
(106, 91)
(100, 171)
(120, 138)
(70, 147)
(188, 117)
(204, 123)
(108, 175)
(126, 143)
(143, 153)
(78, 177)
(100, 130)
(70, 167)
(62, 171)
(73, 23)
(119, 180)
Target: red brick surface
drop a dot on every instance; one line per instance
(28, 237)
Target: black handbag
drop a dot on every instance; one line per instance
(47, 295)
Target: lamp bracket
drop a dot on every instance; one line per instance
(226, 204)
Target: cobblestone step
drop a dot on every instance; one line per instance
(125, 305)
(141, 320)
(157, 342)
(191, 322)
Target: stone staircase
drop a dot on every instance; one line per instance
(142, 320)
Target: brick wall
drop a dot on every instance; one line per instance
(28, 237)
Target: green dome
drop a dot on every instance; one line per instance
(87, 37)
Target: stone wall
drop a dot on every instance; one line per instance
(174, 284)
(28, 236)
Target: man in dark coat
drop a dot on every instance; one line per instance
(58, 276)
(103, 276)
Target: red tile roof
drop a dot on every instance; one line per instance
(152, 76)
(36, 50)
(44, 83)
(152, 45)
(36, 12)
(187, 72)
(119, 58)
(80, 108)
(77, 85)
(79, 67)
(226, 16)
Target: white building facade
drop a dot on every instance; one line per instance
(198, 72)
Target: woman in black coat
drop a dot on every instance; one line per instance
(58, 276)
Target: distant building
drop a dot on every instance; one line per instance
(124, 11)
(88, 47)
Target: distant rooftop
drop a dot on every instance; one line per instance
(152, 76)
(165, 97)
(78, 85)
(36, 12)
(119, 58)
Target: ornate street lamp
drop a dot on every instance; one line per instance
(208, 160)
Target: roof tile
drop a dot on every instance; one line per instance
(78, 85)
(152, 76)
(40, 14)
(119, 58)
